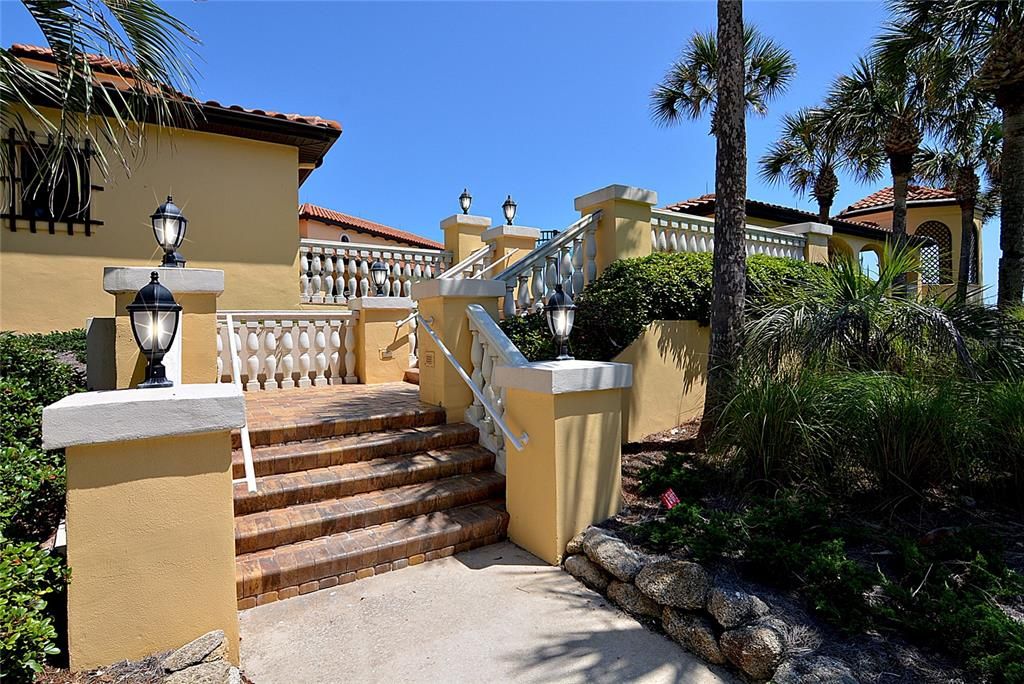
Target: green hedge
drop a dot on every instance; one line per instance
(31, 494)
(615, 308)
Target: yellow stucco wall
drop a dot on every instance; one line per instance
(569, 475)
(168, 575)
(318, 230)
(240, 197)
(383, 349)
(669, 362)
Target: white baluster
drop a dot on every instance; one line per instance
(334, 341)
(287, 355)
(350, 352)
(364, 276)
(320, 353)
(673, 241)
(396, 280)
(305, 362)
(329, 279)
(220, 352)
(270, 335)
(407, 274)
(524, 284)
(509, 308)
(487, 369)
(252, 347)
(577, 266)
(352, 283)
(414, 343)
(590, 255)
(304, 287)
(565, 268)
(538, 288)
(317, 280)
(475, 411)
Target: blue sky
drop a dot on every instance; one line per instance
(545, 101)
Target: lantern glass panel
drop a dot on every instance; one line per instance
(154, 330)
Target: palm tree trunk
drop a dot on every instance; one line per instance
(900, 166)
(824, 210)
(966, 249)
(729, 273)
(1011, 213)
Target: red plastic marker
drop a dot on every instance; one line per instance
(669, 499)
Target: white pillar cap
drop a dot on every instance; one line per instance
(466, 220)
(367, 303)
(626, 193)
(564, 377)
(124, 279)
(510, 231)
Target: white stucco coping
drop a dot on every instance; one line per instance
(510, 231)
(123, 415)
(121, 279)
(807, 227)
(366, 303)
(466, 220)
(563, 377)
(467, 287)
(616, 192)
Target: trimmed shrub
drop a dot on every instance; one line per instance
(617, 306)
(27, 576)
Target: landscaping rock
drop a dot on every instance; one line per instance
(814, 670)
(694, 632)
(211, 646)
(757, 649)
(575, 545)
(215, 672)
(676, 583)
(632, 600)
(732, 608)
(580, 567)
(613, 554)
(235, 676)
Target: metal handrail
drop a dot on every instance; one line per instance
(236, 378)
(518, 442)
(542, 252)
(504, 258)
(454, 270)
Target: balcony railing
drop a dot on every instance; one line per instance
(672, 231)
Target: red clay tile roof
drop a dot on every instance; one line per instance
(705, 206)
(105, 64)
(884, 199)
(325, 215)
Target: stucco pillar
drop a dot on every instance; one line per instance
(462, 234)
(569, 474)
(150, 519)
(512, 241)
(193, 356)
(624, 229)
(817, 235)
(443, 304)
(382, 349)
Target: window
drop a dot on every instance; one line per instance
(870, 263)
(936, 254)
(973, 265)
(59, 201)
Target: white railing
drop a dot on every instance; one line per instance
(284, 349)
(470, 267)
(491, 403)
(236, 378)
(569, 258)
(331, 271)
(490, 348)
(673, 231)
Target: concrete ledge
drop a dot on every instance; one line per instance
(564, 377)
(510, 231)
(123, 415)
(466, 220)
(367, 303)
(121, 279)
(458, 288)
(808, 227)
(626, 193)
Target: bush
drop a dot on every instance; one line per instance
(27, 636)
(617, 306)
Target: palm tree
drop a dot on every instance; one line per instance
(971, 144)
(880, 113)
(987, 38)
(690, 88)
(805, 157)
(138, 42)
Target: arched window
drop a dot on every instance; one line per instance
(870, 263)
(344, 238)
(972, 247)
(937, 253)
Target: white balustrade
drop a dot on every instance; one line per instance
(331, 271)
(673, 231)
(491, 348)
(285, 349)
(570, 258)
(470, 267)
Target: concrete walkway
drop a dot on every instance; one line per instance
(494, 614)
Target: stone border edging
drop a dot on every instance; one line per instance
(718, 623)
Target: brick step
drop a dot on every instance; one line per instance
(267, 529)
(297, 456)
(412, 376)
(264, 430)
(286, 571)
(336, 482)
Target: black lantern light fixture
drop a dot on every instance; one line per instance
(379, 274)
(465, 200)
(509, 207)
(169, 226)
(154, 316)
(561, 314)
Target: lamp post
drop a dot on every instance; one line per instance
(155, 316)
(561, 314)
(379, 274)
(465, 200)
(169, 226)
(509, 207)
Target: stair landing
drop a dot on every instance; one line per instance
(353, 481)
